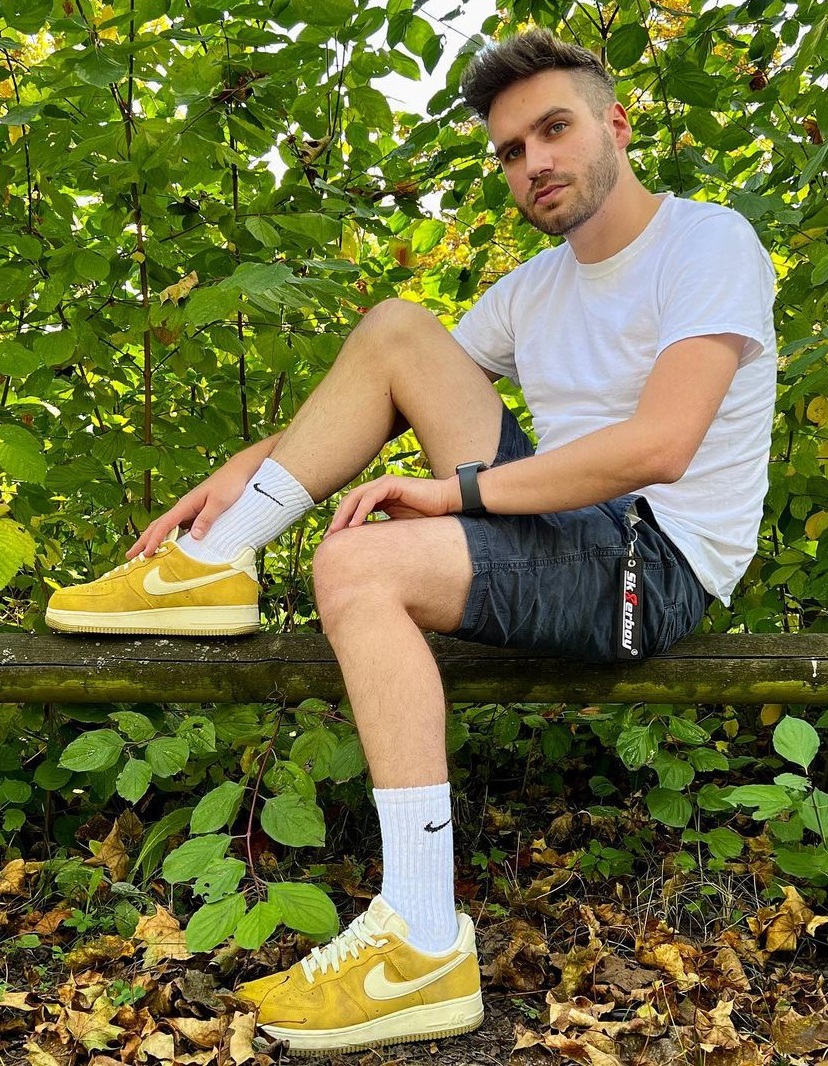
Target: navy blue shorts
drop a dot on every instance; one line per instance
(550, 582)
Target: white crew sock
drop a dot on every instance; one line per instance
(418, 862)
(272, 500)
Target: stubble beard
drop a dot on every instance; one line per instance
(597, 183)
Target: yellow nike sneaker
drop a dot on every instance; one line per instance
(167, 594)
(369, 987)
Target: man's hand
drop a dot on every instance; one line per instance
(197, 510)
(398, 497)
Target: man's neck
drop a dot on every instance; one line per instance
(623, 216)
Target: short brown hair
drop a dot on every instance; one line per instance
(497, 66)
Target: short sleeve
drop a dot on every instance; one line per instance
(720, 280)
(486, 331)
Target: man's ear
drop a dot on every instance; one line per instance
(621, 129)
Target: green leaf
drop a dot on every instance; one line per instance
(214, 923)
(21, 455)
(713, 798)
(101, 66)
(316, 228)
(348, 760)
(17, 361)
(691, 84)
(802, 862)
(13, 820)
(427, 235)
(153, 845)
(724, 843)
(768, 799)
(371, 107)
(636, 746)
(17, 548)
(133, 725)
(199, 733)
(95, 751)
(219, 879)
(686, 731)
(627, 45)
(14, 791)
(263, 232)
(673, 773)
(796, 740)
(167, 755)
(257, 925)
(669, 807)
(814, 813)
(218, 808)
(134, 780)
(190, 859)
(50, 776)
(705, 759)
(305, 908)
(294, 821)
(314, 750)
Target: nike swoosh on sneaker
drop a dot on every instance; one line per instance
(377, 986)
(155, 585)
(258, 488)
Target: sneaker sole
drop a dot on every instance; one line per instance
(430, 1021)
(166, 621)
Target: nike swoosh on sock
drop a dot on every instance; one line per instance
(258, 488)
(431, 828)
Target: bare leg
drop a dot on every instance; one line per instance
(399, 368)
(377, 587)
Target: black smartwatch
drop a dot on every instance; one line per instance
(469, 489)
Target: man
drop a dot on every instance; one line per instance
(644, 345)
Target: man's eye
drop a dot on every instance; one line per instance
(556, 127)
(511, 153)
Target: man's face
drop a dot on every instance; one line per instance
(561, 161)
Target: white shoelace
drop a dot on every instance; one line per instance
(350, 942)
(140, 558)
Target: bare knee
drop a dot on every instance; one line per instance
(346, 576)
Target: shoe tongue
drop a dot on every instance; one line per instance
(172, 536)
(381, 917)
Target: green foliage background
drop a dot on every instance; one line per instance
(132, 140)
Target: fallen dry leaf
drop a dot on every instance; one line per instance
(38, 1056)
(794, 1034)
(163, 936)
(111, 854)
(715, 1029)
(674, 959)
(13, 878)
(242, 1030)
(92, 1028)
(16, 1001)
(158, 1045)
(103, 949)
(206, 1034)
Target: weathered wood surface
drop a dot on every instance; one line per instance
(727, 668)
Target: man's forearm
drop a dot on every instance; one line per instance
(598, 467)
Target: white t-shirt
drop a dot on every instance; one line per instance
(582, 338)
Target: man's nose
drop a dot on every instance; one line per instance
(539, 158)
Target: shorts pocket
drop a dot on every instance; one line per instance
(667, 632)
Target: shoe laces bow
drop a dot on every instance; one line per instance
(350, 942)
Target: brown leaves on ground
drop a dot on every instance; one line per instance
(621, 992)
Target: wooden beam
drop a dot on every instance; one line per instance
(722, 668)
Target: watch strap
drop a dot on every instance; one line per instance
(470, 499)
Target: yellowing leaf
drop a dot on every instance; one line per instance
(163, 936)
(818, 410)
(180, 289)
(816, 525)
(93, 1029)
(770, 713)
(15, 133)
(38, 1056)
(242, 1030)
